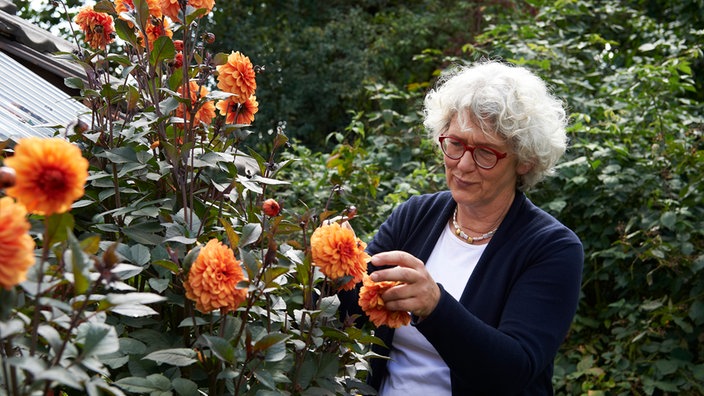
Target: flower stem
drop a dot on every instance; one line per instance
(40, 275)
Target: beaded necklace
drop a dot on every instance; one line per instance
(463, 235)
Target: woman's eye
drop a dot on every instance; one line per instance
(484, 153)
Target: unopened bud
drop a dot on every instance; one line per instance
(351, 212)
(271, 208)
(7, 177)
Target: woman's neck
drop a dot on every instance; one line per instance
(479, 219)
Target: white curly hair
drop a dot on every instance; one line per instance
(507, 100)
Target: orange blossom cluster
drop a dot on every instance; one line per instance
(373, 305)
(212, 279)
(339, 253)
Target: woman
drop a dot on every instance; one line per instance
(492, 281)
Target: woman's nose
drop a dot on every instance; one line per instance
(467, 161)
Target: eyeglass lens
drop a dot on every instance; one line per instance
(455, 149)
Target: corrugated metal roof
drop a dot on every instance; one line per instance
(33, 97)
(34, 46)
(29, 105)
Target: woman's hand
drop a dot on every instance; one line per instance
(419, 294)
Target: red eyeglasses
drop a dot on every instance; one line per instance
(484, 157)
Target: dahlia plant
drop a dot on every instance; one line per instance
(143, 248)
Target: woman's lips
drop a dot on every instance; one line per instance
(461, 182)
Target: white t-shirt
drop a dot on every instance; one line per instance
(415, 367)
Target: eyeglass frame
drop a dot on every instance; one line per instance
(499, 155)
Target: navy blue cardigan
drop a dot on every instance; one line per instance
(501, 338)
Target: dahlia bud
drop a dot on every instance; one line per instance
(7, 177)
(351, 212)
(178, 60)
(178, 45)
(209, 38)
(271, 208)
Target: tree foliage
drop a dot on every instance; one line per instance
(319, 56)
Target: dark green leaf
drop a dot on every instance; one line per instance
(184, 387)
(251, 232)
(163, 49)
(79, 265)
(97, 339)
(175, 357)
(58, 226)
(221, 348)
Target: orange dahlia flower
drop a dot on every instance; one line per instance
(51, 174)
(236, 112)
(372, 304)
(212, 280)
(171, 8)
(237, 76)
(205, 112)
(339, 253)
(128, 5)
(17, 252)
(98, 27)
(156, 28)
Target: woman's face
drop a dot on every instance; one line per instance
(474, 186)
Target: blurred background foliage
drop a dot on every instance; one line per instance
(344, 81)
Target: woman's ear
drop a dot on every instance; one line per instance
(523, 168)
